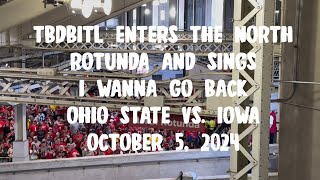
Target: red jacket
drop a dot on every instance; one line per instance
(273, 128)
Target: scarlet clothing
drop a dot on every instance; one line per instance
(116, 120)
(273, 128)
(53, 135)
(49, 155)
(76, 137)
(73, 153)
(36, 110)
(112, 127)
(166, 145)
(33, 128)
(2, 125)
(4, 110)
(6, 145)
(78, 144)
(61, 126)
(55, 129)
(62, 110)
(108, 152)
(56, 146)
(30, 142)
(45, 128)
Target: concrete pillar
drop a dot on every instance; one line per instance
(218, 12)
(198, 12)
(173, 7)
(148, 17)
(17, 53)
(299, 116)
(180, 14)
(189, 14)
(228, 15)
(20, 145)
(23, 61)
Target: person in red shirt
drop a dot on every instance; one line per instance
(77, 137)
(273, 127)
(45, 127)
(58, 144)
(3, 110)
(67, 130)
(108, 152)
(60, 125)
(52, 134)
(55, 128)
(34, 127)
(50, 153)
(2, 126)
(73, 152)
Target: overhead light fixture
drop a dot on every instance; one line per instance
(144, 5)
(173, 12)
(107, 6)
(163, 1)
(87, 6)
(147, 11)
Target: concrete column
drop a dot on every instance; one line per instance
(173, 7)
(17, 53)
(23, 61)
(180, 14)
(218, 12)
(189, 14)
(228, 15)
(20, 145)
(299, 115)
(198, 16)
(148, 17)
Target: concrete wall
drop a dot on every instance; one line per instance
(272, 176)
(299, 134)
(126, 167)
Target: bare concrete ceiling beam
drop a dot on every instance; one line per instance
(19, 11)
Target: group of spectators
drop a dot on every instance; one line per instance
(50, 136)
(7, 135)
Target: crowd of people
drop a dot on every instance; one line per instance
(50, 136)
(7, 135)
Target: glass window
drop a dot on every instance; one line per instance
(157, 77)
(112, 23)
